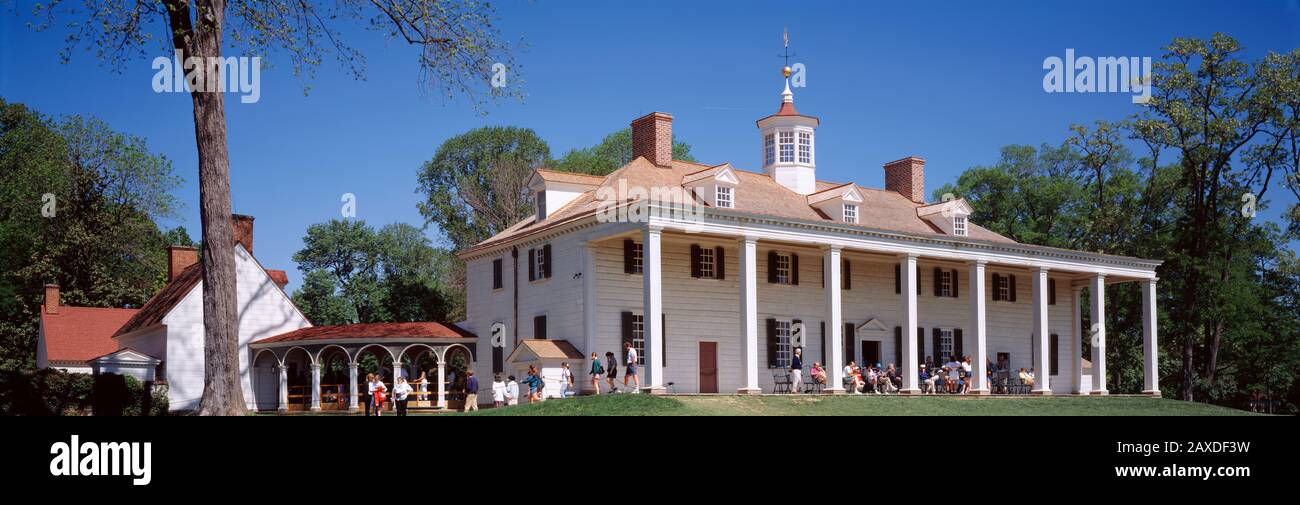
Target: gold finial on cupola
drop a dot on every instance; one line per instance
(785, 37)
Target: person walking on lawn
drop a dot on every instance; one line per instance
(796, 371)
(471, 392)
(629, 370)
(596, 372)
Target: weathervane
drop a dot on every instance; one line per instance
(785, 36)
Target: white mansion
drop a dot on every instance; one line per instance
(715, 301)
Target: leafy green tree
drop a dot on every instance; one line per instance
(614, 151)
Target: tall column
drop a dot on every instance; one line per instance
(588, 308)
(353, 392)
(979, 330)
(834, 323)
(1098, 293)
(315, 386)
(284, 388)
(749, 314)
(1076, 340)
(910, 322)
(1043, 357)
(442, 386)
(652, 381)
(1150, 358)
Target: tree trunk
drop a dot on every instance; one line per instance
(223, 392)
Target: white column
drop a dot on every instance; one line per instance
(1098, 293)
(1042, 359)
(910, 322)
(315, 386)
(1076, 340)
(588, 307)
(352, 388)
(979, 328)
(652, 380)
(834, 323)
(1150, 358)
(284, 388)
(442, 388)
(749, 313)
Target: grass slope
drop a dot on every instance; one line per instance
(647, 405)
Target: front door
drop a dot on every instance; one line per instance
(708, 367)
(871, 351)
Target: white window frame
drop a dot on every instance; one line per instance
(708, 268)
(769, 149)
(539, 263)
(959, 226)
(785, 141)
(805, 147)
(723, 197)
(945, 282)
(1004, 289)
(850, 213)
(638, 258)
(638, 337)
(947, 345)
(540, 200)
(784, 349)
(783, 268)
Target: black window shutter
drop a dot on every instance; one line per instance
(532, 265)
(629, 255)
(848, 339)
(720, 262)
(920, 345)
(547, 259)
(898, 345)
(997, 287)
(938, 281)
(627, 332)
(539, 327)
(1051, 291)
(823, 271)
(847, 275)
(1011, 287)
(898, 279)
(826, 351)
(771, 343)
(937, 336)
(771, 266)
(955, 282)
(498, 359)
(1053, 357)
(794, 269)
(918, 280)
(957, 346)
(496, 273)
(695, 261)
(663, 338)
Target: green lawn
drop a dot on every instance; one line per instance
(647, 405)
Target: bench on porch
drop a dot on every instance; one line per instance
(1003, 384)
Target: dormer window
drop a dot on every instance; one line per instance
(787, 147)
(850, 213)
(959, 226)
(541, 205)
(769, 149)
(805, 147)
(723, 197)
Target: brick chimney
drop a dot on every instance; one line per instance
(179, 258)
(652, 137)
(241, 227)
(51, 298)
(907, 177)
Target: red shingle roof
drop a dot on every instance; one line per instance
(372, 330)
(157, 307)
(79, 334)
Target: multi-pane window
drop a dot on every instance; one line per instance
(539, 262)
(638, 258)
(946, 344)
(787, 147)
(783, 268)
(541, 204)
(496, 274)
(783, 344)
(945, 283)
(959, 226)
(723, 197)
(850, 213)
(769, 149)
(805, 147)
(1004, 289)
(707, 269)
(638, 337)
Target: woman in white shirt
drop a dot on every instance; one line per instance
(498, 391)
(512, 392)
(400, 392)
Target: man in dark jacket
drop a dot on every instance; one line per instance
(471, 392)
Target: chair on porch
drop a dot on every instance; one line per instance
(781, 382)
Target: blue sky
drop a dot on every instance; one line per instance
(952, 82)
